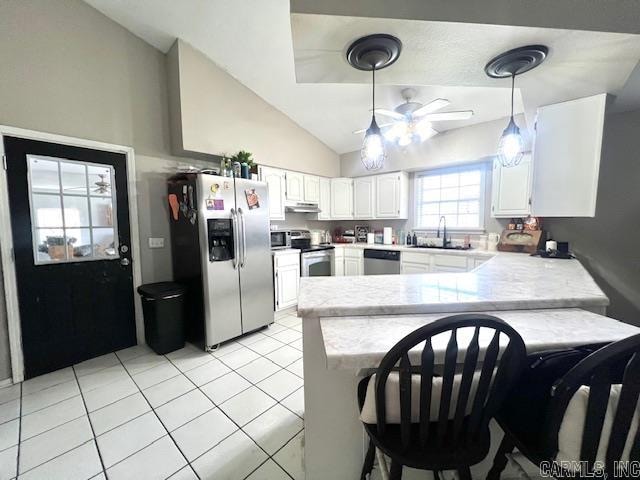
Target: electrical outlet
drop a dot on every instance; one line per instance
(156, 242)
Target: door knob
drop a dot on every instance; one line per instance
(125, 262)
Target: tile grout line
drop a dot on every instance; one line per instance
(95, 438)
(160, 420)
(232, 421)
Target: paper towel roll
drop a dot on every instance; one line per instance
(371, 238)
(387, 236)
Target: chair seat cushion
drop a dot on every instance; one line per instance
(392, 398)
(572, 426)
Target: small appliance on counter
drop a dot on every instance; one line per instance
(280, 239)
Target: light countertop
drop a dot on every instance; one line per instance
(285, 251)
(355, 343)
(508, 281)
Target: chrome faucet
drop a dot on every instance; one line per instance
(444, 231)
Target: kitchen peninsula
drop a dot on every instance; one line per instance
(350, 322)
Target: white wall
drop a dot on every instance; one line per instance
(221, 116)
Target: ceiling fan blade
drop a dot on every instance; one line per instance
(389, 113)
(461, 115)
(432, 106)
(383, 125)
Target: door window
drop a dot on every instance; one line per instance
(73, 210)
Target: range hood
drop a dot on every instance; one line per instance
(301, 207)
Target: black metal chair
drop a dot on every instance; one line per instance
(455, 435)
(534, 428)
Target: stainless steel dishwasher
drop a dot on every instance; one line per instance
(381, 262)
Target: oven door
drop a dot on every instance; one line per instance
(317, 264)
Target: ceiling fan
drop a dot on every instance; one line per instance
(412, 121)
(100, 187)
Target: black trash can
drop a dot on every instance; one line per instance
(163, 308)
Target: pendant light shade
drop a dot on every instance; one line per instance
(372, 53)
(373, 153)
(511, 146)
(509, 64)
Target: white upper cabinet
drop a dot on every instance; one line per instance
(364, 197)
(295, 187)
(566, 158)
(341, 198)
(311, 189)
(324, 199)
(275, 180)
(392, 195)
(511, 189)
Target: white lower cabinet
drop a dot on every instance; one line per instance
(449, 263)
(353, 261)
(413, 267)
(286, 271)
(338, 262)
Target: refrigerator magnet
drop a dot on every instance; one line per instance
(253, 200)
(218, 204)
(210, 204)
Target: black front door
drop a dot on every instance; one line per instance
(70, 221)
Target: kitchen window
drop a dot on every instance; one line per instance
(72, 210)
(456, 193)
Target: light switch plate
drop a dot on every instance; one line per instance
(156, 242)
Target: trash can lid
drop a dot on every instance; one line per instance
(161, 289)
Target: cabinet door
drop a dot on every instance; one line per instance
(511, 189)
(311, 189)
(295, 186)
(363, 197)
(338, 265)
(276, 186)
(324, 199)
(409, 268)
(566, 158)
(287, 279)
(341, 198)
(352, 266)
(388, 196)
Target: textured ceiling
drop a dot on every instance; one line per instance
(254, 42)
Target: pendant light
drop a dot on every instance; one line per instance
(373, 154)
(509, 64)
(371, 53)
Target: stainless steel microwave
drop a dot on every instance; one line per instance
(280, 239)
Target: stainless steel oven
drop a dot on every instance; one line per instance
(315, 260)
(280, 239)
(317, 263)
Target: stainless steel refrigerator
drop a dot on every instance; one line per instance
(224, 222)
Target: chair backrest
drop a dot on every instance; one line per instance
(617, 364)
(499, 364)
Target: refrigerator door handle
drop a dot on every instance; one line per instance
(244, 238)
(234, 221)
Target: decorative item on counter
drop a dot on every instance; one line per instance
(467, 241)
(519, 224)
(371, 238)
(512, 224)
(400, 238)
(414, 239)
(483, 241)
(361, 233)
(520, 241)
(532, 223)
(379, 237)
(492, 241)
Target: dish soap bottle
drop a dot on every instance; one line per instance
(409, 238)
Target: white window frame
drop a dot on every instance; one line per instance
(482, 166)
(61, 194)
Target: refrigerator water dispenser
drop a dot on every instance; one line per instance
(220, 232)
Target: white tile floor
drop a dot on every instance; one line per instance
(234, 414)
